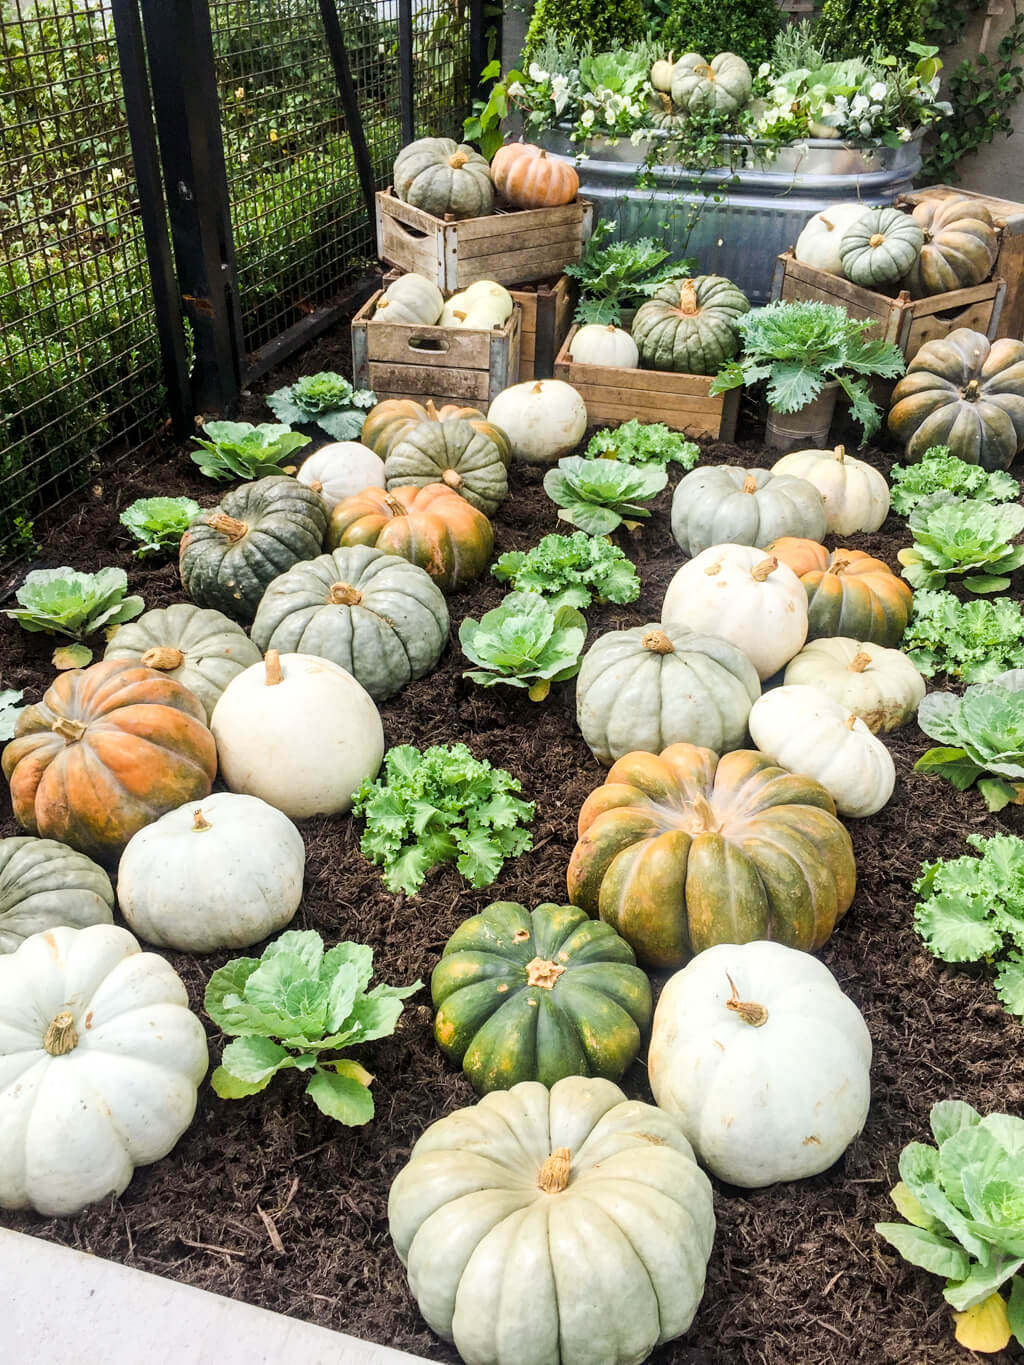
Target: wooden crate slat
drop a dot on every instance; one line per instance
(434, 382)
(547, 316)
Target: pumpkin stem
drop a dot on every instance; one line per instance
(839, 454)
(712, 569)
(541, 972)
(431, 411)
(344, 595)
(70, 731)
(827, 222)
(840, 561)
(393, 505)
(272, 664)
(458, 160)
(876, 239)
(748, 1010)
(163, 657)
(761, 571)
(851, 721)
(658, 642)
(317, 486)
(200, 822)
(452, 478)
(859, 662)
(750, 484)
(972, 390)
(688, 305)
(554, 1174)
(61, 1035)
(537, 388)
(230, 527)
(706, 823)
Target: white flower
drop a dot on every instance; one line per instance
(560, 92)
(842, 102)
(879, 90)
(537, 73)
(860, 103)
(587, 118)
(763, 70)
(905, 134)
(865, 127)
(516, 89)
(639, 135)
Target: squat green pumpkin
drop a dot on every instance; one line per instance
(689, 326)
(881, 247)
(440, 176)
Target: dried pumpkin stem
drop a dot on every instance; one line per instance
(851, 721)
(344, 595)
(537, 388)
(431, 410)
(749, 1010)
(688, 305)
(839, 454)
(163, 657)
(542, 972)
(230, 527)
(971, 391)
(750, 484)
(317, 486)
(458, 160)
(658, 642)
(706, 821)
(859, 662)
(452, 478)
(840, 562)
(554, 1174)
(761, 571)
(712, 569)
(827, 222)
(70, 731)
(61, 1035)
(876, 239)
(200, 822)
(272, 664)
(396, 508)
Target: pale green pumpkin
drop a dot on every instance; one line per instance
(442, 177)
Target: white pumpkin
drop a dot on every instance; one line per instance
(100, 1058)
(879, 685)
(804, 730)
(818, 243)
(568, 1226)
(299, 732)
(410, 298)
(763, 1060)
(220, 873)
(595, 344)
(341, 470)
(745, 596)
(855, 494)
(484, 304)
(544, 419)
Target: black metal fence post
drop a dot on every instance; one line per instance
(477, 45)
(406, 95)
(349, 103)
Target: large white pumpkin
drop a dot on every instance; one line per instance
(568, 1226)
(763, 1060)
(595, 344)
(220, 873)
(100, 1058)
(880, 685)
(299, 732)
(341, 470)
(745, 596)
(818, 243)
(544, 419)
(855, 494)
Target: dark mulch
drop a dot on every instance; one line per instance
(797, 1276)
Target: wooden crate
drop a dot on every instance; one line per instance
(680, 401)
(512, 246)
(464, 365)
(547, 317)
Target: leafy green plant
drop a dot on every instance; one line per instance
(326, 400)
(599, 495)
(747, 27)
(964, 537)
(964, 1204)
(484, 124)
(984, 733)
(570, 571)
(239, 450)
(159, 523)
(74, 605)
(846, 28)
(527, 641)
(606, 26)
(9, 711)
(940, 472)
(288, 1008)
(974, 641)
(620, 275)
(441, 805)
(636, 442)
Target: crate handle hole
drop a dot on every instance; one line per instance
(414, 234)
(427, 344)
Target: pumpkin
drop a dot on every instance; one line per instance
(818, 243)
(855, 494)
(529, 1220)
(848, 592)
(724, 505)
(101, 1059)
(341, 468)
(373, 614)
(530, 179)
(742, 595)
(880, 247)
(229, 555)
(723, 85)
(200, 648)
(411, 299)
(595, 344)
(109, 749)
(683, 850)
(484, 304)
(388, 421)
(690, 325)
(453, 453)
(44, 884)
(300, 733)
(543, 419)
(879, 685)
(221, 873)
(763, 1060)
(524, 996)
(960, 246)
(661, 684)
(661, 73)
(443, 177)
(964, 392)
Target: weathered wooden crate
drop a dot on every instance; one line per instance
(512, 246)
(464, 365)
(681, 401)
(547, 317)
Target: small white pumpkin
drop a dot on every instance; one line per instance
(595, 344)
(818, 243)
(855, 494)
(341, 470)
(763, 1060)
(100, 1059)
(484, 304)
(299, 732)
(410, 298)
(745, 596)
(221, 873)
(880, 685)
(544, 419)
(804, 730)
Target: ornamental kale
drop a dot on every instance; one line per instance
(9, 711)
(74, 605)
(638, 442)
(159, 522)
(295, 1002)
(571, 570)
(985, 729)
(238, 450)
(940, 472)
(525, 642)
(620, 275)
(963, 536)
(974, 641)
(327, 400)
(599, 495)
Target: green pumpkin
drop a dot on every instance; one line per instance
(379, 617)
(535, 997)
(442, 177)
(723, 85)
(230, 554)
(881, 247)
(47, 885)
(726, 505)
(690, 325)
(452, 453)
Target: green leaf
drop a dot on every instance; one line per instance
(952, 764)
(997, 793)
(71, 656)
(75, 605)
(244, 451)
(224, 1001)
(957, 930)
(936, 1254)
(253, 1061)
(948, 1117)
(1009, 983)
(228, 1087)
(9, 712)
(1015, 1309)
(912, 1210)
(981, 1281)
(341, 1097)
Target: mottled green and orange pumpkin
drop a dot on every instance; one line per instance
(388, 422)
(849, 593)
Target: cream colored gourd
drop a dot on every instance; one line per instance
(543, 419)
(804, 730)
(529, 1220)
(341, 470)
(745, 596)
(100, 1059)
(855, 494)
(818, 243)
(483, 304)
(214, 874)
(763, 1060)
(410, 298)
(298, 732)
(879, 685)
(595, 344)
(661, 73)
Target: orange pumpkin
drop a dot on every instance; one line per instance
(430, 526)
(108, 750)
(530, 179)
(849, 593)
(388, 422)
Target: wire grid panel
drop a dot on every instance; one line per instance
(441, 74)
(79, 359)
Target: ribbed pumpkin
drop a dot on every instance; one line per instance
(848, 592)
(340, 469)
(530, 179)
(524, 996)
(453, 453)
(960, 246)
(432, 527)
(690, 325)
(879, 685)
(820, 237)
(44, 885)
(683, 850)
(410, 299)
(722, 85)
(855, 494)
(964, 392)
(107, 750)
(379, 617)
(229, 555)
(389, 421)
(442, 177)
(881, 247)
(725, 505)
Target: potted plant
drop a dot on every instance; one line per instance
(808, 352)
